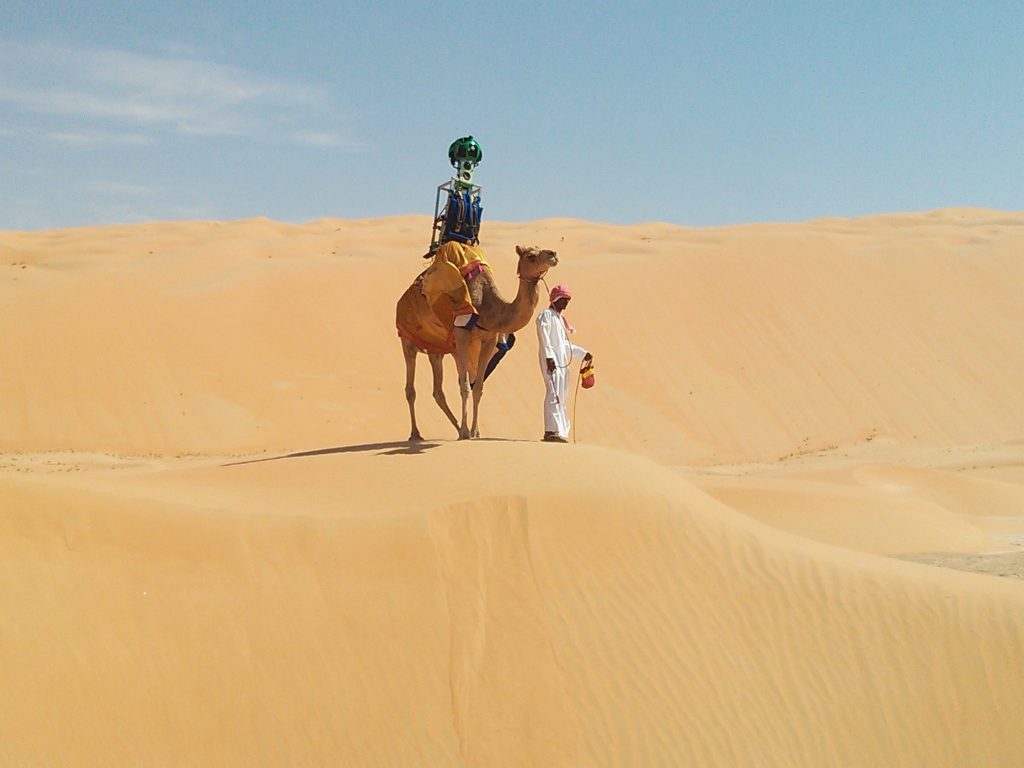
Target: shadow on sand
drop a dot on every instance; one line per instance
(394, 448)
(397, 448)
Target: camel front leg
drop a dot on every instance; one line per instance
(462, 344)
(437, 368)
(487, 349)
(410, 388)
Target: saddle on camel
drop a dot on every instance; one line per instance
(438, 300)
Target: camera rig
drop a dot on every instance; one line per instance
(457, 206)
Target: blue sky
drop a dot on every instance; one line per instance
(693, 113)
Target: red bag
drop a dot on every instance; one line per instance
(587, 374)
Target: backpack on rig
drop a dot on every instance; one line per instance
(462, 217)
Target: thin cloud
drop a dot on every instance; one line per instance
(98, 138)
(326, 139)
(119, 188)
(175, 93)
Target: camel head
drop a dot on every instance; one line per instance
(535, 262)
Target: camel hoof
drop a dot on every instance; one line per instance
(415, 437)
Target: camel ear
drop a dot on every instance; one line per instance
(519, 250)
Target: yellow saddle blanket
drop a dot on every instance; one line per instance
(427, 310)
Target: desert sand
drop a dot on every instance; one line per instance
(217, 547)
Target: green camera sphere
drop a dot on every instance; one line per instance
(465, 150)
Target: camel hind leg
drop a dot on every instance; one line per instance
(437, 368)
(463, 341)
(410, 353)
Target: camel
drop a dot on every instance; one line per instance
(472, 348)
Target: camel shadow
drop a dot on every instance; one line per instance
(394, 448)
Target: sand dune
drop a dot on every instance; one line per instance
(603, 613)
(217, 549)
(754, 343)
(855, 518)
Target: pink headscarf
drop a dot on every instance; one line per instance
(561, 291)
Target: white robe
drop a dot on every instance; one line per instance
(553, 341)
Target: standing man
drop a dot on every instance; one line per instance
(556, 354)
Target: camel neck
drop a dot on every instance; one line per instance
(506, 317)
